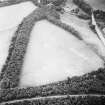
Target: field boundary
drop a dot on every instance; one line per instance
(53, 97)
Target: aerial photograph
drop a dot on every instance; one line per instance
(52, 52)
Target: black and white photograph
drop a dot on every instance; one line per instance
(52, 52)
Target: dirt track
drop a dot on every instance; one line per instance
(52, 97)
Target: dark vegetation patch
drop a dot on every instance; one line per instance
(54, 2)
(11, 47)
(83, 16)
(50, 11)
(99, 14)
(91, 83)
(92, 27)
(86, 100)
(57, 4)
(83, 5)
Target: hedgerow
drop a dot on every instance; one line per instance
(55, 2)
(12, 69)
(83, 5)
(83, 16)
(11, 47)
(99, 14)
(86, 100)
(49, 11)
(91, 83)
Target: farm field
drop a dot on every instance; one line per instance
(89, 37)
(12, 16)
(54, 54)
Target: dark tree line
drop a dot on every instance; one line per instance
(99, 14)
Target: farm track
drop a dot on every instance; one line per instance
(51, 97)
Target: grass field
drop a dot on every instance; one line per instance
(54, 54)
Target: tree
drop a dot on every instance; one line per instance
(83, 5)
